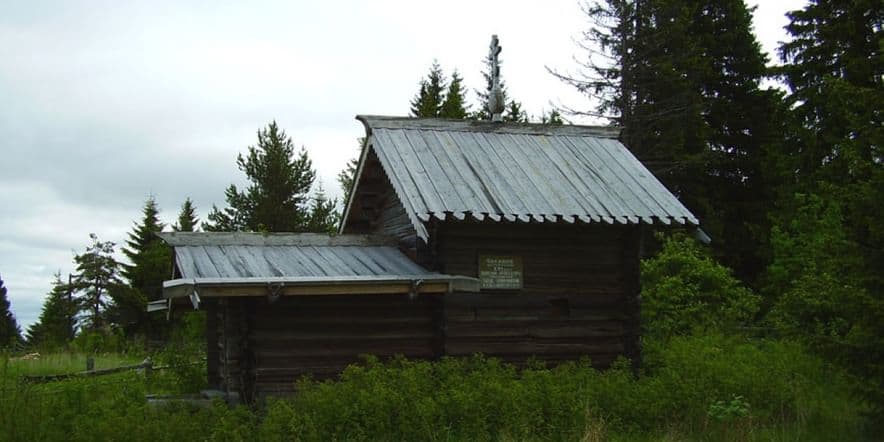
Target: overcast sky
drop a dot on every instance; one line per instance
(104, 103)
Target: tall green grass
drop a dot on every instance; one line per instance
(693, 388)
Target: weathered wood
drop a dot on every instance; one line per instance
(271, 239)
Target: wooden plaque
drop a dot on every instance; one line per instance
(503, 272)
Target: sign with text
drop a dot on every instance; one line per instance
(500, 272)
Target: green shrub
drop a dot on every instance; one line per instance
(686, 291)
(690, 380)
(704, 388)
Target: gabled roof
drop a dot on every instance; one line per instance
(516, 172)
(241, 264)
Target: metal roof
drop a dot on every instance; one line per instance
(298, 264)
(244, 255)
(517, 172)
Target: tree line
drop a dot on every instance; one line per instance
(107, 299)
(786, 181)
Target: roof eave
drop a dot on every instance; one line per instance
(312, 286)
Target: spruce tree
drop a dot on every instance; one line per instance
(429, 99)
(277, 198)
(56, 326)
(831, 289)
(324, 217)
(553, 118)
(10, 332)
(454, 106)
(149, 265)
(187, 218)
(150, 261)
(682, 79)
(514, 113)
(97, 275)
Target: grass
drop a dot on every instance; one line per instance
(60, 363)
(705, 388)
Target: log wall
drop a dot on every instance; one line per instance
(580, 298)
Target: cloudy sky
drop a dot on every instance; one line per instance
(104, 103)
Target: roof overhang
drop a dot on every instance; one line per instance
(273, 288)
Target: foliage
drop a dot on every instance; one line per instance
(185, 352)
(681, 77)
(696, 388)
(277, 198)
(817, 274)
(484, 399)
(439, 98)
(10, 332)
(455, 103)
(684, 290)
(324, 217)
(97, 275)
(428, 101)
(187, 218)
(56, 326)
(514, 113)
(553, 118)
(150, 260)
(828, 243)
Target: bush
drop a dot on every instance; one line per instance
(690, 388)
(708, 387)
(685, 291)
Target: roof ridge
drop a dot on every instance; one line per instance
(460, 125)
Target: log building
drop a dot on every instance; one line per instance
(516, 241)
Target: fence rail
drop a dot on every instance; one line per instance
(148, 367)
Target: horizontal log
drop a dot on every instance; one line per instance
(533, 329)
(525, 300)
(326, 322)
(296, 337)
(527, 348)
(530, 314)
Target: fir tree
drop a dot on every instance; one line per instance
(10, 332)
(97, 275)
(429, 100)
(187, 218)
(56, 326)
(150, 261)
(278, 196)
(324, 217)
(149, 257)
(514, 113)
(682, 79)
(553, 118)
(826, 272)
(454, 106)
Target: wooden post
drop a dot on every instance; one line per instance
(148, 368)
(90, 363)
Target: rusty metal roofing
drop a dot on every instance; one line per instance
(517, 173)
(255, 255)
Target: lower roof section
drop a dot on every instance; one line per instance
(293, 264)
